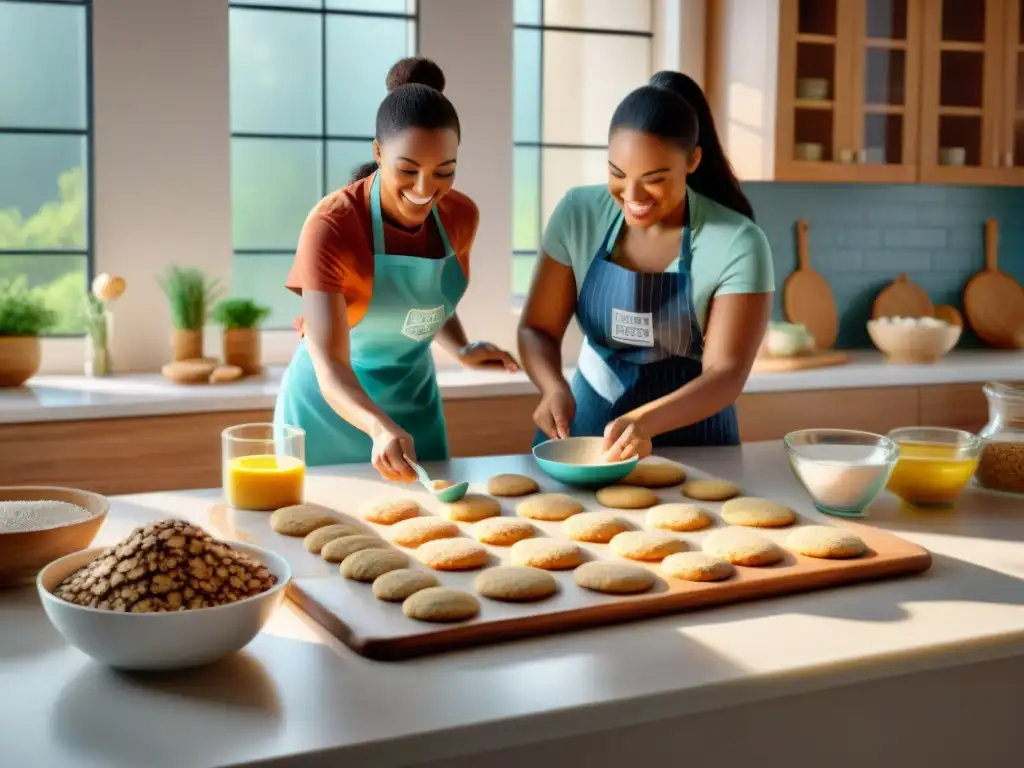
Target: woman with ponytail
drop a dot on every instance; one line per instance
(381, 266)
(668, 276)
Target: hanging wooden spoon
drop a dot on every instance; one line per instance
(806, 297)
(994, 301)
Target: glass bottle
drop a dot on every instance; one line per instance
(1001, 465)
(98, 362)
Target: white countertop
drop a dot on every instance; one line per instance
(59, 398)
(297, 697)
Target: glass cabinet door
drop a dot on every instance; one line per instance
(815, 85)
(886, 104)
(963, 72)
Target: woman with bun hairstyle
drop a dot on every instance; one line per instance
(381, 266)
(668, 276)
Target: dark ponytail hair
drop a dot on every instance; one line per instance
(673, 107)
(415, 100)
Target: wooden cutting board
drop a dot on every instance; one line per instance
(799, 362)
(380, 630)
(994, 301)
(902, 298)
(806, 297)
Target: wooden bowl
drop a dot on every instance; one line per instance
(24, 553)
(913, 343)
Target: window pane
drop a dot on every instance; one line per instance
(522, 272)
(599, 14)
(585, 78)
(526, 205)
(274, 184)
(526, 85)
(262, 279)
(527, 12)
(360, 51)
(563, 169)
(343, 157)
(42, 192)
(42, 66)
(289, 3)
(275, 72)
(60, 281)
(374, 6)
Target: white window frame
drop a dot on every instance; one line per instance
(161, 154)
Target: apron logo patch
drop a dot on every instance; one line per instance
(633, 328)
(423, 324)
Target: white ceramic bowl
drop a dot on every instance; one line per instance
(913, 343)
(160, 641)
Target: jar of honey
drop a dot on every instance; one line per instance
(264, 466)
(1001, 466)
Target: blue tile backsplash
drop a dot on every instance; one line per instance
(864, 235)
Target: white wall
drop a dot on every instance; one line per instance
(162, 152)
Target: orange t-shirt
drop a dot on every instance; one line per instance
(335, 251)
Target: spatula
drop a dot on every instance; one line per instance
(447, 495)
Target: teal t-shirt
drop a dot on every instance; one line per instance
(730, 252)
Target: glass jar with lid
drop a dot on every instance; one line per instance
(1001, 464)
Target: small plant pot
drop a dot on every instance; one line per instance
(19, 359)
(242, 348)
(186, 345)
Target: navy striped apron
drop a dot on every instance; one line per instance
(643, 341)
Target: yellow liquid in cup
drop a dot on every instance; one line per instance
(264, 482)
(930, 473)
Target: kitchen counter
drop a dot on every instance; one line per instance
(65, 398)
(922, 670)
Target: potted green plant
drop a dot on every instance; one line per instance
(190, 295)
(24, 315)
(241, 319)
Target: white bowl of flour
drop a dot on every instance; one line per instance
(39, 524)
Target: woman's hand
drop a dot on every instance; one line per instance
(555, 413)
(483, 354)
(624, 438)
(391, 444)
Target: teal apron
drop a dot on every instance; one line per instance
(390, 355)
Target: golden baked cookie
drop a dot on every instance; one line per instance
(742, 546)
(678, 517)
(315, 540)
(473, 507)
(757, 513)
(395, 586)
(553, 507)
(824, 541)
(549, 554)
(441, 604)
(626, 497)
(652, 473)
(503, 531)
(710, 490)
(367, 564)
(696, 566)
(593, 527)
(512, 485)
(336, 550)
(645, 545)
(391, 512)
(419, 530)
(452, 555)
(515, 583)
(613, 578)
(300, 519)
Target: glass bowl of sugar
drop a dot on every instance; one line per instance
(843, 470)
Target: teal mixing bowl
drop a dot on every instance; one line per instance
(577, 461)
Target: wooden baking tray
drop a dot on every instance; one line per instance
(379, 630)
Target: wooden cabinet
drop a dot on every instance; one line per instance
(869, 90)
